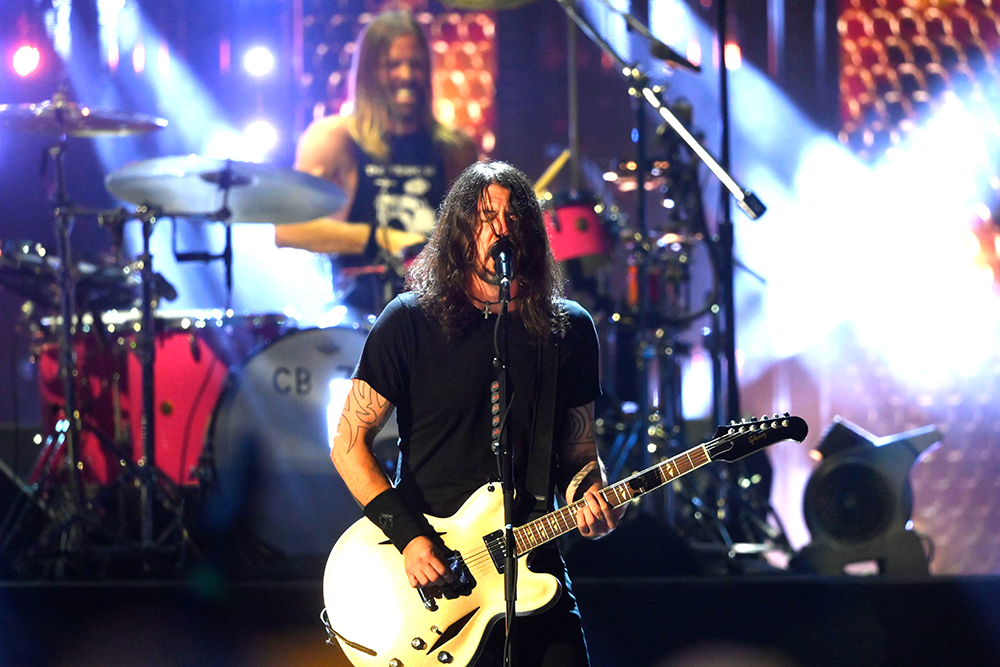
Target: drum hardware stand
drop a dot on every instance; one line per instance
(226, 180)
(64, 218)
(75, 523)
(641, 91)
(151, 479)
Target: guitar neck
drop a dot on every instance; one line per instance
(563, 520)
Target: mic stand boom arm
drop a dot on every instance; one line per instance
(745, 199)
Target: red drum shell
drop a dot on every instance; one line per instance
(101, 383)
(194, 355)
(576, 230)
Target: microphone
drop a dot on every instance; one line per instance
(502, 253)
(658, 49)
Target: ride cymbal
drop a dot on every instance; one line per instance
(195, 186)
(60, 117)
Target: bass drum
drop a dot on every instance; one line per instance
(269, 443)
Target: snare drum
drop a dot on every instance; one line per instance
(270, 443)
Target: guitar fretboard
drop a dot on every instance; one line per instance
(563, 520)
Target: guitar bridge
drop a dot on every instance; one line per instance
(463, 584)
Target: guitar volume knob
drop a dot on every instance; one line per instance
(395, 662)
(444, 657)
(418, 643)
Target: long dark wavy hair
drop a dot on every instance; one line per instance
(439, 276)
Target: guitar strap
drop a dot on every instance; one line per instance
(539, 478)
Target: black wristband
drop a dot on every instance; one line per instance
(399, 523)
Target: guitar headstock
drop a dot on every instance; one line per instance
(743, 438)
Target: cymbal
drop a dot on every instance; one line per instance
(61, 117)
(194, 186)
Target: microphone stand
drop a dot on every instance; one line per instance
(505, 454)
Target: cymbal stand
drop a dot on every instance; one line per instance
(226, 180)
(64, 219)
(147, 360)
(153, 484)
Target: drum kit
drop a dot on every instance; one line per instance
(143, 412)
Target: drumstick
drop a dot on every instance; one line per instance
(550, 173)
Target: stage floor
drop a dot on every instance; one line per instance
(769, 620)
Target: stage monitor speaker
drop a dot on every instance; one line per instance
(858, 502)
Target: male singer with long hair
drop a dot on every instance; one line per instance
(430, 356)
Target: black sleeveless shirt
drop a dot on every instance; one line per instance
(405, 192)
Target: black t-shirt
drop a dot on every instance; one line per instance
(441, 390)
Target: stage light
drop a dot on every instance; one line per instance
(225, 145)
(26, 60)
(258, 61)
(139, 58)
(261, 137)
(857, 503)
(734, 56)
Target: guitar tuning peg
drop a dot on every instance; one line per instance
(786, 415)
(732, 422)
(763, 418)
(775, 415)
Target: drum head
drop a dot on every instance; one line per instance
(270, 444)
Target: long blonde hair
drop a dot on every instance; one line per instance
(370, 118)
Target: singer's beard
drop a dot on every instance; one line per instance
(488, 276)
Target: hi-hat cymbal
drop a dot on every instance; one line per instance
(61, 117)
(195, 186)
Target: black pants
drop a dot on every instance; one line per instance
(553, 638)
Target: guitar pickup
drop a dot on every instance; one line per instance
(495, 545)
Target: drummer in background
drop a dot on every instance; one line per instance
(390, 155)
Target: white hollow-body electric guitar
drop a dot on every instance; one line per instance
(379, 620)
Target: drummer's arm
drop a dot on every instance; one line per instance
(325, 152)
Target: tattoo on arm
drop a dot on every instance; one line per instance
(365, 410)
(579, 426)
(579, 461)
